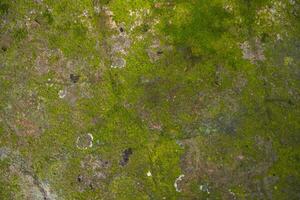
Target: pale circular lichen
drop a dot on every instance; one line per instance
(85, 141)
(62, 94)
(177, 181)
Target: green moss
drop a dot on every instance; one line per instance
(4, 8)
(238, 120)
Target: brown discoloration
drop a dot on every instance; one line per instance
(42, 63)
(31, 185)
(25, 127)
(94, 174)
(200, 168)
(25, 116)
(5, 42)
(119, 43)
(156, 126)
(163, 5)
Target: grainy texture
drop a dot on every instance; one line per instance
(149, 99)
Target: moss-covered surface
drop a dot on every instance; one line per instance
(149, 99)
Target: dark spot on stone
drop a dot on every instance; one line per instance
(125, 156)
(5, 42)
(145, 28)
(217, 83)
(4, 48)
(91, 186)
(74, 78)
(37, 21)
(159, 52)
(121, 29)
(79, 178)
(188, 55)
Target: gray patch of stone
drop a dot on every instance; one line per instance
(94, 172)
(119, 48)
(5, 42)
(156, 50)
(118, 62)
(32, 187)
(253, 51)
(22, 117)
(119, 41)
(204, 188)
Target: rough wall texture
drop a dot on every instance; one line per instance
(149, 99)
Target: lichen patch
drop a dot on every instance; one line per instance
(85, 141)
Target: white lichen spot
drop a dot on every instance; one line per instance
(149, 173)
(228, 8)
(85, 13)
(204, 188)
(278, 37)
(84, 19)
(138, 17)
(91, 141)
(232, 193)
(177, 181)
(97, 9)
(62, 94)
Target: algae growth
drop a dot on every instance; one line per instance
(149, 99)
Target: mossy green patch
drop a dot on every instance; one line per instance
(210, 91)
